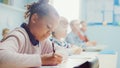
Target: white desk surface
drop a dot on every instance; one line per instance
(70, 63)
(76, 60)
(73, 61)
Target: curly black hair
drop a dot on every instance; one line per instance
(42, 8)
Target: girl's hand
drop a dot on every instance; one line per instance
(51, 60)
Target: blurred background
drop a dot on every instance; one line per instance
(102, 17)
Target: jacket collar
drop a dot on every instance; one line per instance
(32, 38)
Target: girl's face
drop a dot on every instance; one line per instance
(61, 30)
(64, 33)
(45, 26)
(64, 27)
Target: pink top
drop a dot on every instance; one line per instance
(18, 52)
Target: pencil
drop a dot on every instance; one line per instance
(53, 48)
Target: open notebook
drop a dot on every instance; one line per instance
(78, 62)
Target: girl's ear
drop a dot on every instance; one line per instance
(34, 18)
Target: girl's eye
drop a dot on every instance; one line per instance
(49, 28)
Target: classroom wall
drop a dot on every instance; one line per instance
(94, 11)
(106, 35)
(10, 18)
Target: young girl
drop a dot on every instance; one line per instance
(21, 48)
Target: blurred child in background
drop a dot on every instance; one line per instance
(4, 33)
(59, 35)
(83, 29)
(77, 36)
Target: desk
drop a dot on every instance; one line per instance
(105, 60)
(72, 61)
